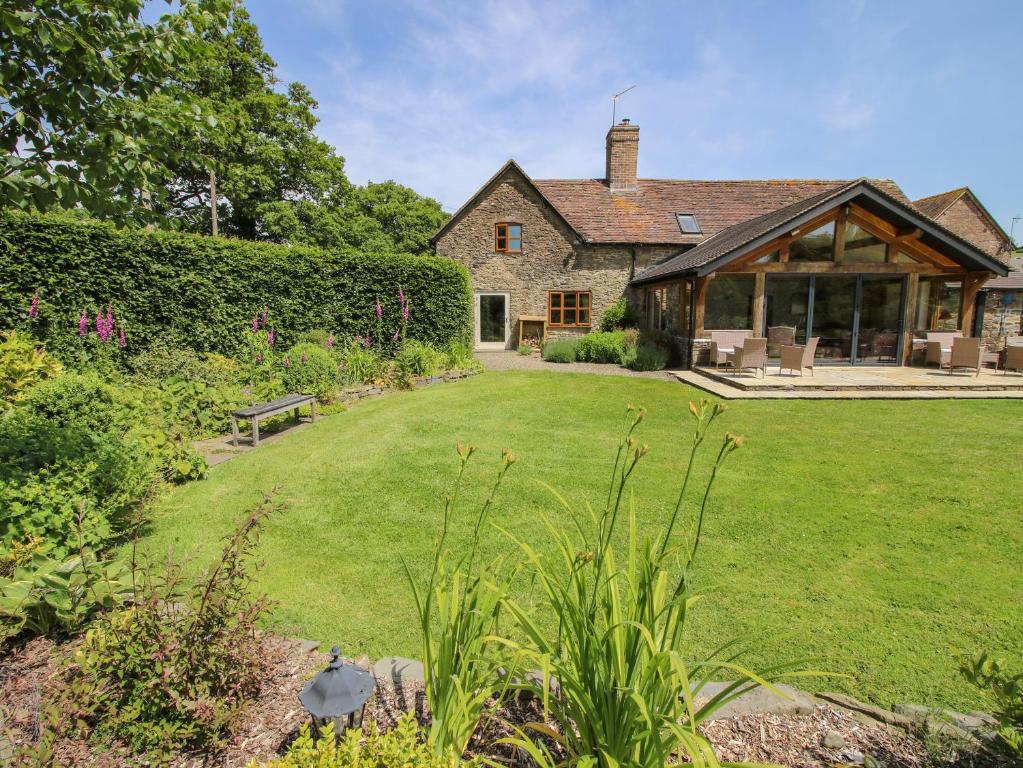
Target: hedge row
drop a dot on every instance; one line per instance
(202, 292)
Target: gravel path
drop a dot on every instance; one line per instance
(513, 361)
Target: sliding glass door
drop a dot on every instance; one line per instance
(857, 317)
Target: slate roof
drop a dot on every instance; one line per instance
(647, 215)
(1012, 281)
(744, 236)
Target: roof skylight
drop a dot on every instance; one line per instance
(688, 224)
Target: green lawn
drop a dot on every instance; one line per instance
(886, 535)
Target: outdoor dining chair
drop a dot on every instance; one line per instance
(796, 358)
(966, 352)
(751, 354)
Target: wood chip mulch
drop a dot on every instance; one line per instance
(30, 671)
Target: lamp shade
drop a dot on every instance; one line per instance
(338, 690)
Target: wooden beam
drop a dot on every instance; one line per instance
(699, 301)
(909, 316)
(839, 254)
(683, 326)
(910, 234)
(972, 283)
(825, 267)
(759, 290)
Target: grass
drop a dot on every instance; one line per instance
(884, 535)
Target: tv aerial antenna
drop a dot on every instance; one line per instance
(614, 103)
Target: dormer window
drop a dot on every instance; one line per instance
(507, 238)
(688, 223)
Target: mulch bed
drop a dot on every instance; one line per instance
(30, 670)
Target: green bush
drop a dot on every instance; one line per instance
(1005, 691)
(23, 364)
(195, 408)
(399, 747)
(603, 347)
(525, 350)
(53, 473)
(645, 357)
(618, 315)
(460, 357)
(359, 364)
(416, 358)
(316, 336)
(161, 361)
(310, 369)
(560, 351)
(195, 292)
(173, 671)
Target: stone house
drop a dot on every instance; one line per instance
(853, 261)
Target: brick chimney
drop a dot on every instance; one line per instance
(622, 155)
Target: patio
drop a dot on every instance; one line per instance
(857, 382)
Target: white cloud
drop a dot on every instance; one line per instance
(846, 111)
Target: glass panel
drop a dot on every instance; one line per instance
(556, 300)
(584, 317)
(769, 258)
(584, 299)
(493, 318)
(502, 244)
(515, 230)
(729, 303)
(880, 301)
(937, 307)
(861, 247)
(833, 300)
(555, 317)
(514, 245)
(815, 246)
(688, 224)
(570, 300)
(569, 316)
(903, 258)
(787, 300)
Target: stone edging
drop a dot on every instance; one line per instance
(354, 394)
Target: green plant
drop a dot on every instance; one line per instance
(644, 358)
(416, 358)
(619, 315)
(525, 350)
(50, 596)
(198, 409)
(183, 290)
(174, 670)
(23, 364)
(604, 347)
(399, 747)
(317, 336)
(359, 364)
(1005, 691)
(460, 357)
(311, 370)
(163, 360)
(458, 611)
(627, 693)
(560, 351)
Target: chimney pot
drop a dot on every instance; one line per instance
(622, 156)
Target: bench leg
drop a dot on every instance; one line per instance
(255, 431)
(234, 431)
(296, 414)
(312, 411)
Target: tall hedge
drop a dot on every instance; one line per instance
(202, 292)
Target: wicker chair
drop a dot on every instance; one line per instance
(723, 342)
(779, 336)
(752, 354)
(939, 346)
(796, 358)
(967, 352)
(1013, 358)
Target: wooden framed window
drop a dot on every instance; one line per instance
(568, 309)
(507, 238)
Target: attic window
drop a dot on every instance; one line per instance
(688, 224)
(507, 238)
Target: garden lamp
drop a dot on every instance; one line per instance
(338, 695)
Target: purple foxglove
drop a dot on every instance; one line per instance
(330, 341)
(380, 310)
(404, 313)
(83, 324)
(121, 341)
(33, 308)
(367, 342)
(287, 361)
(401, 296)
(263, 317)
(255, 325)
(101, 326)
(270, 338)
(396, 335)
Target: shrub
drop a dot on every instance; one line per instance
(359, 364)
(50, 596)
(1005, 691)
(311, 370)
(418, 359)
(173, 671)
(399, 747)
(560, 351)
(460, 357)
(618, 315)
(645, 358)
(458, 611)
(525, 350)
(604, 347)
(627, 692)
(23, 364)
(317, 336)
(187, 290)
(161, 361)
(52, 473)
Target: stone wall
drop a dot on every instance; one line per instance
(1003, 317)
(552, 258)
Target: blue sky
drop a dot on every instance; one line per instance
(438, 95)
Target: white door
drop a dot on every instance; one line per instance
(493, 324)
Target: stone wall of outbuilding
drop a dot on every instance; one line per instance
(1003, 317)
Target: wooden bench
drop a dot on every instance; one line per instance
(264, 410)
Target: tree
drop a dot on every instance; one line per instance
(87, 108)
